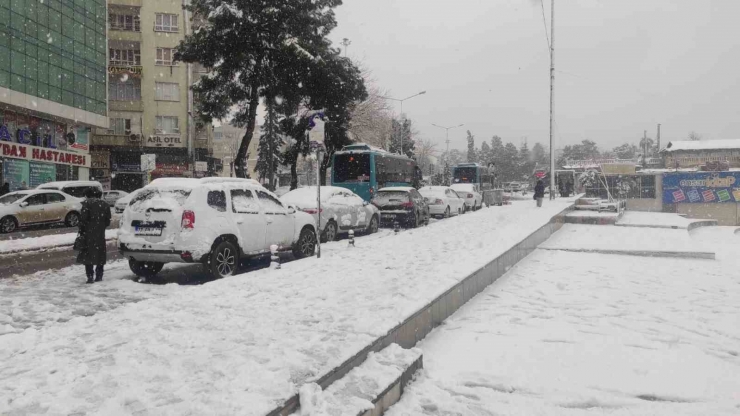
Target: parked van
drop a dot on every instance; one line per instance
(74, 188)
(213, 221)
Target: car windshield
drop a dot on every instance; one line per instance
(177, 196)
(463, 187)
(436, 193)
(10, 198)
(391, 197)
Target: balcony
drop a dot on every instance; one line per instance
(129, 3)
(116, 140)
(126, 105)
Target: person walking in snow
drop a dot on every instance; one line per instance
(539, 192)
(94, 219)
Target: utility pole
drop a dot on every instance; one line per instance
(552, 98)
(270, 144)
(345, 42)
(657, 145)
(644, 148)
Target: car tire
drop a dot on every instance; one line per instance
(223, 260)
(372, 228)
(8, 225)
(72, 219)
(330, 232)
(146, 269)
(306, 244)
(447, 213)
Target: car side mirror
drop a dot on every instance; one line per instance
(24, 204)
(365, 203)
(291, 209)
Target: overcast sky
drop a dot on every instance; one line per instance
(623, 66)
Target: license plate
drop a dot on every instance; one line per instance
(389, 215)
(154, 231)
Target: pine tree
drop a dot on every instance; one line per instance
(254, 49)
(472, 154)
(271, 142)
(485, 156)
(401, 132)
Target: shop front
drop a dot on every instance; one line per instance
(34, 151)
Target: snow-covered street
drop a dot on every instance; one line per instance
(567, 333)
(244, 344)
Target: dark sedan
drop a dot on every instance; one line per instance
(404, 205)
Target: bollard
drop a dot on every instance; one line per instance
(274, 258)
(396, 227)
(351, 238)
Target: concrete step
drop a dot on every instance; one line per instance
(367, 390)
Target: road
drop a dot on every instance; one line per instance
(44, 230)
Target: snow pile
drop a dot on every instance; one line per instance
(605, 237)
(355, 392)
(243, 345)
(44, 242)
(575, 333)
(654, 219)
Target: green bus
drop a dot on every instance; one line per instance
(364, 170)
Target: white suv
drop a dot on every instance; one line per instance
(215, 221)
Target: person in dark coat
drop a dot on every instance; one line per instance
(4, 189)
(94, 219)
(539, 192)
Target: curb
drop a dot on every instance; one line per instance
(419, 324)
(640, 253)
(36, 250)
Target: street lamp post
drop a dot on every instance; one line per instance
(447, 141)
(401, 100)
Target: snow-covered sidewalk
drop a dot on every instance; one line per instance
(45, 242)
(245, 344)
(577, 333)
(654, 220)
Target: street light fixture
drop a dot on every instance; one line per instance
(401, 100)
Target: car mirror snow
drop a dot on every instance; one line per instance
(24, 204)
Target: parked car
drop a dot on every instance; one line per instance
(341, 210)
(123, 202)
(34, 207)
(404, 205)
(75, 188)
(112, 196)
(473, 199)
(213, 221)
(443, 201)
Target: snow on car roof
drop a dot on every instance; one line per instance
(397, 188)
(62, 184)
(35, 191)
(307, 196)
(190, 183)
(462, 185)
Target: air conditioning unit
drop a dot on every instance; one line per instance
(127, 132)
(134, 137)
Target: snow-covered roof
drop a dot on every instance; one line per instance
(189, 183)
(687, 145)
(306, 196)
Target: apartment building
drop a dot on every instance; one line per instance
(52, 88)
(149, 104)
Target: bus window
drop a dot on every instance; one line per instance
(352, 168)
(466, 175)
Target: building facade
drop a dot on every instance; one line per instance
(705, 153)
(149, 102)
(52, 88)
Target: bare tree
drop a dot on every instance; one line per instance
(694, 136)
(426, 151)
(371, 119)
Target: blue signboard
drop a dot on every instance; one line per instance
(701, 187)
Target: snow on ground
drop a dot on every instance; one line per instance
(592, 213)
(654, 219)
(607, 237)
(47, 241)
(244, 344)
(591, 334)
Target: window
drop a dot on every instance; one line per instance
(167, 124)
(77, 191)
(124, 22)
(38, 199)
(243, 202)
(168, 91)
(119, 126)
(54, 198)
(129, 90)
(165, 22)
(217, 200)
(164, 56)
(352, 168)
(127, 57)
(272, 205)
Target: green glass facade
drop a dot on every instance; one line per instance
(55, 49)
